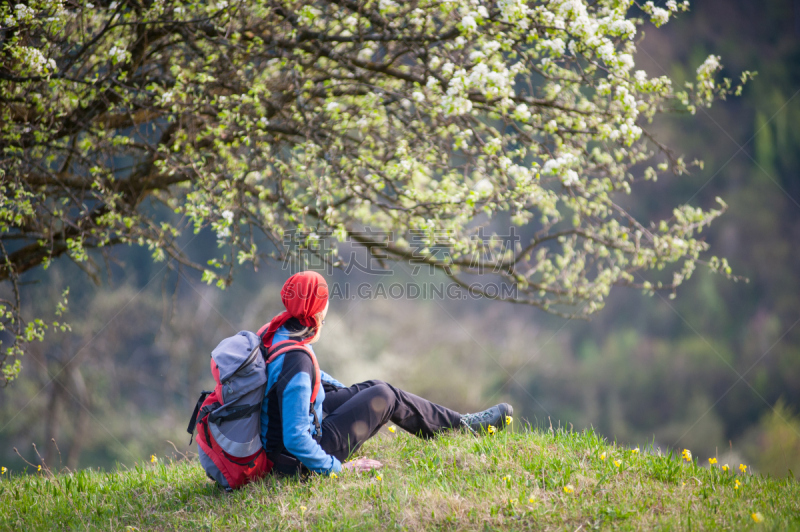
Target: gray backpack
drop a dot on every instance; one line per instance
(228, 419)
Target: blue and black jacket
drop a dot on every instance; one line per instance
(287, 426)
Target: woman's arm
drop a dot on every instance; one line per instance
(293, 401)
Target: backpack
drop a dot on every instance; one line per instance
(228, 419)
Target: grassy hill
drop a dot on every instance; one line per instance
(522, 480)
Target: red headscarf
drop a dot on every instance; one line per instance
(304, 295)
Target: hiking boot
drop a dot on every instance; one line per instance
(490, 420)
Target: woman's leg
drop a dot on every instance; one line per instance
(355, 414)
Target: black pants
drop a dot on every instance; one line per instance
(355, 414)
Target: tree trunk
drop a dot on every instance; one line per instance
(82, 423)
(52, 422)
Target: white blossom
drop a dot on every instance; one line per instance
(23, 12)
(513, 11)
(418, 18)
(522, 112)
(456, 105)
(365, 54)
(622, 27)
(491, 46)
(223, 228)
(555, 166)
(625, 62)
(483, 187)
(468, 23)
(570, 178)
(659, 16)
(606, 51)
(34, 60)
(709, 66)
(118, 53)
(556, 45)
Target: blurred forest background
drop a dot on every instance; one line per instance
(716, 370)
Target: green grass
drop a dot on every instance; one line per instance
(513, 480)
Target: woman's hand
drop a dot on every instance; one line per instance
(361, 465)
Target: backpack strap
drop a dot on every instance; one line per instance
(193, 420)
(233, 413)
(293, 345)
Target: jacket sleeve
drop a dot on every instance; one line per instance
(324, 377)
(294, 397)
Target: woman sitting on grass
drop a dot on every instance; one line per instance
(291, 434)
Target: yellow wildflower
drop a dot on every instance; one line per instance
(378, 477)
(3, 470)
(531, 499)
(392, 429)
(757, 517)
(742, 468)
(712, 461)
(687, 455)
(684, 484)
(153, 459)
(509, 420)
(617, 463)
(303, 509)
(725, 467)
(334, 475)
(568, 489)
(634, 451)
(490, 429)
(38, 468)
(505, 477)
(603, 456)
(736, 486)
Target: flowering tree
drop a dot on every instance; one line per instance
(327, 117)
